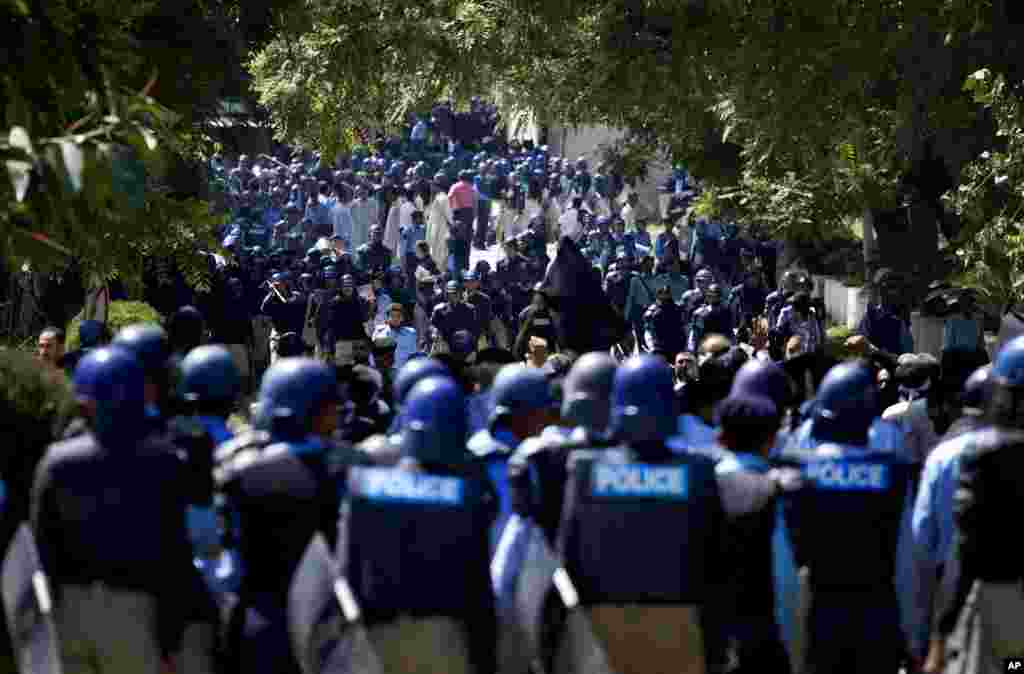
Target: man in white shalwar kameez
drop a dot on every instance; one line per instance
(440, 214)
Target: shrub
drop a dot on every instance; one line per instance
(119, 315)
(35, 405)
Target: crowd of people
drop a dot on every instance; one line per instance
(482, 493)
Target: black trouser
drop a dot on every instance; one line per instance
(483, 221)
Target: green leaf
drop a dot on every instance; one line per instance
(20, 173)
(19, 139)
(74, 163)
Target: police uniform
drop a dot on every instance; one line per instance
(424, 588)
(109, 513)
(374, 258)
(449, 318)
(691, 301)
(707, 320)
(280, 488)
(861, 494)
(663, 323)
(285, 316)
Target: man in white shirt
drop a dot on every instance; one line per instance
(628, 213)
(569, 223)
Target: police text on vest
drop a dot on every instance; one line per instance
(847, 476)
(639, 481)
(385, 484)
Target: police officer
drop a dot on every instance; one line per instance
(186, 330)
(536, 321)
(481, 301)
(748, 303)
(537, 470)
(644, 469)
(150, 346)
(434, 570)
(90, 336)
(712, 318)
(693, 299)
(108, 512)
(988, 490)
(231, 325)
(749, 424)
(778, 299)
(663, 323)
(285, 308)
(453, 316)
(522, 405)
(859, 494)
(374, 258)
(343, 322)
(278, 496)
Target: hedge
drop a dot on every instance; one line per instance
(119, 315)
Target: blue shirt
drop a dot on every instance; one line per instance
(661, 243)
(695, 433)
(932, 532)
(408, 236)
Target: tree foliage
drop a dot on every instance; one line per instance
(821, 110)
(105, 100)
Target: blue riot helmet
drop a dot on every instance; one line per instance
(414, 371)
(977, 389)
(209, 376)
(330, 273)
(846, 405)
(150, 346)
(434, 429)
(763, 378)
(90, 334)
(307, 281)
(185, 329)
(518, 389)
(112, 382)
(1006, 406)
(587, 390)
(291, 393)
(642, 412)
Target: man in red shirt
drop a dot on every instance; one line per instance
(462, 200)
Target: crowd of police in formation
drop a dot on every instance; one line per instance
(481, 509)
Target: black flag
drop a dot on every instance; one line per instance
(583, 316)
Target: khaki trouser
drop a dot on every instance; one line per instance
(108, 631)
(999, 627)
(421, 646)
(637, 639)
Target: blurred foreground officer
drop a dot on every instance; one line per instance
(522, 405)
(990, 489)
(642, 501)
(278, 497)
(537, 470)
(151, 347)
(208, 387)
(749, 424)
(854, 621)
(109, 517)
(414, 545)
